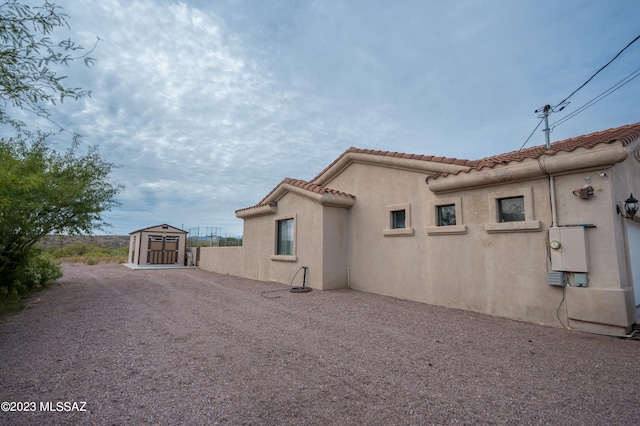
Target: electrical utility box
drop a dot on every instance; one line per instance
(568, 249)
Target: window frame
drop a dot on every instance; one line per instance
(434, 229)
(395, 219)
(439, 216)
(390, 231)
(502, 213)
(528, 225)
(285, 257)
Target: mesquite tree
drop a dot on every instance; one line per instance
(28, 56)
(42, 191)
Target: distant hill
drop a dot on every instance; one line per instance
(53, 241)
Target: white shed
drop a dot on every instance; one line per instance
(157, 245)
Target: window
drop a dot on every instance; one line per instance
(511, 209)
(398, 221)
(284, 245)
(445, 217)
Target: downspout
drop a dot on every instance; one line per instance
(552, 194)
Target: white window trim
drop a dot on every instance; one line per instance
(432, 219)
(528, 225)
(284, 257)
(407, 231)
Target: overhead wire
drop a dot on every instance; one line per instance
(598, 98)
(534, 130)
(597, 72)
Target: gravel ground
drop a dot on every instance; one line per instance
(194, 347)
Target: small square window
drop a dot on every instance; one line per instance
(398, 219)
(447, 215)
(511, 209)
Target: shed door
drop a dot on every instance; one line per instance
(162, 250)
(171, 250)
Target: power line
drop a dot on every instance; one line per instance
(562, 104)
(596, 73)
(534, 130)
(598, 98)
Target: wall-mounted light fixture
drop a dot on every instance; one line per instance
(630, 207)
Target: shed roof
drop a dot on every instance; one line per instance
(162, 226)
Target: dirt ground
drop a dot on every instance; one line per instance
(192, 347)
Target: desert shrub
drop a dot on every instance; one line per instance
(90, 254)
(71, 250)
(34, 273)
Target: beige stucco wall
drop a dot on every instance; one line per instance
(259, 260)
(502, 274)
(320, 245)
(335, 238)
(499, 274)
(477, 265)
(224, 260)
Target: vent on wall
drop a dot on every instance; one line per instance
(556, 278)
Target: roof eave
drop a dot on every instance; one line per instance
(326, 198)
(429, 167)
(259, 210)
(563, 162)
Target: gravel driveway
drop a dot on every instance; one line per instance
(193, 347)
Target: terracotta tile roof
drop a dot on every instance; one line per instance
(303, 185)
(625, 134)
(445, 160)
(313, 187)
(246, 209)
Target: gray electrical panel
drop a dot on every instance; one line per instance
(568, 249)
(580, 279)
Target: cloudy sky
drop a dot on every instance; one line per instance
(208, 104)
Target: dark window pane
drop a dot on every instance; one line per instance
(447, 215)
(398, 219)
(511, 209)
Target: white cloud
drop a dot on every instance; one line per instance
(208, 105)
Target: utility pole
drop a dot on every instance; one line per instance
(545, 110)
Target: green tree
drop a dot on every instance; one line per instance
(44, 192)
(28, 56)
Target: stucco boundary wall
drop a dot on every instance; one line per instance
(223, 260)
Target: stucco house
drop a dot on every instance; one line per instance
(157, 245)
(539, 235)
